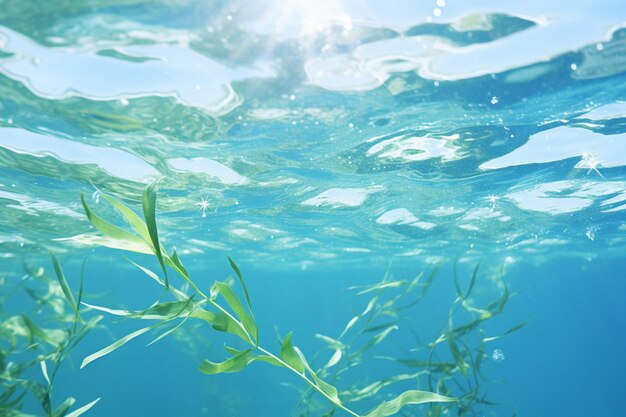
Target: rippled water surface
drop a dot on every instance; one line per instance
(319, 137)
(311, 134)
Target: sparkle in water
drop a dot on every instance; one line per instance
(497, 355)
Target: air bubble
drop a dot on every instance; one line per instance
(497, 355)
(494, 100)
(574, 67)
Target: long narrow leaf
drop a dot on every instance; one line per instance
(456, 354)
(221, 322)
(64, 407)
(80, 296)
(149, 213)
(326, 388)
(63, 282)
(290, 356)
(113, 346)
(235, 304)
(233, 364)
(131, 217)
(245, 291)
(168, 332)
(388, 408)
(113, 231)
(243, 284)
(511, 330)
(83, 409)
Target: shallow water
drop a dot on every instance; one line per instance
(322, 144)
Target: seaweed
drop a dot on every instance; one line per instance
(28, 343)
(451, 364)
(224, 311)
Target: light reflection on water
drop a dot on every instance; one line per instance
(353, 131)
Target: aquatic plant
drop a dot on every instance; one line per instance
(222, 309)
(451, 364)
(27, 343)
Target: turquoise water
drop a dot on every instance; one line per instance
(322, 145)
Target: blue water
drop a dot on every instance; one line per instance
(323, 145)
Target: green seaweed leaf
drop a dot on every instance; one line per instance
(235, 304)
(131, 217)
(221, 322)
(456, 354)
(64, 407)
(245, 293)
(233, 364)
(511, 330)
(388, 408)
(290, 356)
(373, 388)
(326, 388)
(80, 296)
(115, 232)
(178, 264)
(161, 311)
(149, 213)
(112, 347)
(79, 411)
(63, 282)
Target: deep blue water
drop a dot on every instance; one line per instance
(567, 361)
(322, 145)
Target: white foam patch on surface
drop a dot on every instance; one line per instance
(402, 216)
(561, 197)
(469, 227)
(171, 70)
(116, 162)
(340, 73)
(397, 216)
(357, 250)
(424, 225)
(246, 230)
(291, 242)
(558, 31)
(481, 213)
(607, 112)
(209, 167)
(338, 197)
(371, 64)
(615, 209)
(597, 150)
(555, 32)
(445, 211)
(36, 206)
(412, 148)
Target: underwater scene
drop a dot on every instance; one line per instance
(312, 208)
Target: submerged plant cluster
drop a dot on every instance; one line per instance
(450, 365)
(38, 341)
(445, 374)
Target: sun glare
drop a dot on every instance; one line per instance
(314, 16)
